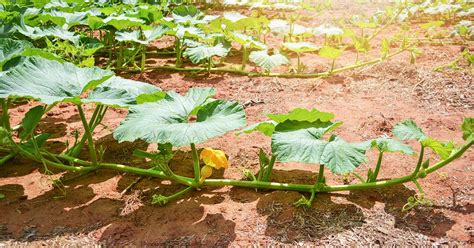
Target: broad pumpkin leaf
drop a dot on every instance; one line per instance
(234, 16)
(134, 88)
(329, 52)
(121, 92)
(408, 130)
(297, 114)
(204, 52)
(266, 61)
(187, 32)
(265, 127)
(72, 19)
(122, 21)
(342, 157)
(10, 48)
(279, 26)
(55, 31)
(187, 14)
(467, 128)
(301, 114)
(149, 35)
(248, 41)
(168, 120)
(300, 141)
(50, 81)
(236, 21)
(385, 144)
(300, 47)
(327, 29)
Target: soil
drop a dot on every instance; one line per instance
(94, 208)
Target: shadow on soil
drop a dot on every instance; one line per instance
(101, 205)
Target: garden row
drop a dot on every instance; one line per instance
(123, 36)
(174, 121)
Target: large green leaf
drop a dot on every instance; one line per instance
(148, 35)
(297, 114)
(279, 26)
(10, 48)
(204, 52)
(266, 61)
(327, 29)
(120, 92)
(55, 31)
(187, 14)
(50, 81)
(168, 120)
(341, 157)
(301, 114)
(300, 141)
(248, 41)
(122, 21)
(408, 130)
(134, 88)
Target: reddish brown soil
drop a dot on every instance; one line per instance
(92, 209)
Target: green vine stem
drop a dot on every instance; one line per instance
(269, 169)
(88, 134)
(253, 184)
(5, 118)
(283, 75)
(7, 157)
(320, 180)
(76, 149)
(197, 167)
(163, 200)
(374, 176)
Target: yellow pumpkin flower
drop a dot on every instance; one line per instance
(214, 158)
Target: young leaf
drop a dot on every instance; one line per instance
(168, 120)
(408, 130)
(30, 121)
(442, 149)
(330, 52)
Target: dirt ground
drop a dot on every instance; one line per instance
(93, 209)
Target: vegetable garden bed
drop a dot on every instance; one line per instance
(189, 141)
